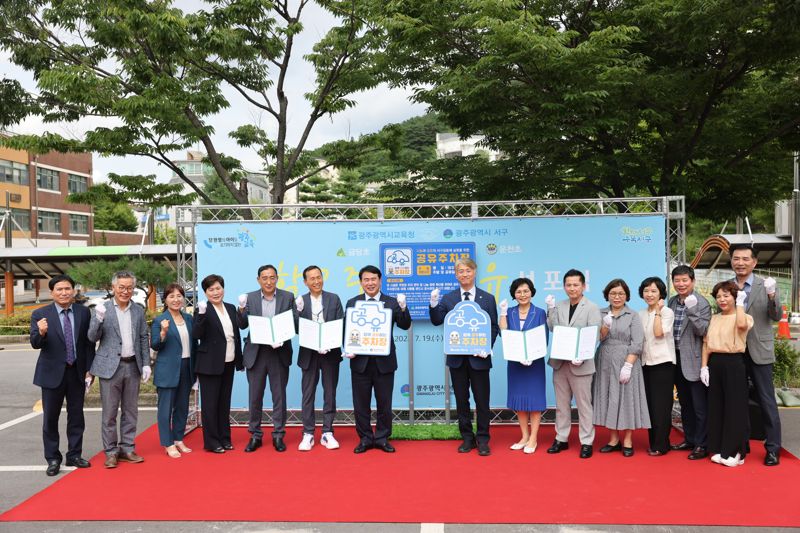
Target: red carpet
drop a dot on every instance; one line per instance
(423, 482)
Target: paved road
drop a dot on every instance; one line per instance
(21, 445)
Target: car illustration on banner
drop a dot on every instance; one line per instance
(468, 314)
(369, 312)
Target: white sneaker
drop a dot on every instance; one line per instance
(307, 443)
(716, 458)
(733, 461)
(328, 441)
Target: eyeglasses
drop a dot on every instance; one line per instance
(120, 288)
(617, 294)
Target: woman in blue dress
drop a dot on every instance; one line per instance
(526, 383)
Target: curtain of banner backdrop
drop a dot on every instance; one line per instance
(416, 256)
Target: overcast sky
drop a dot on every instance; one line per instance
(374, 109)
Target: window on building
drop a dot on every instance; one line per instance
(47, 179)
(49, 222)
(79, 224)
(22, 217)
(12, 172)
(77, 183)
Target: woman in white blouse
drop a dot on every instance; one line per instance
(658, 362)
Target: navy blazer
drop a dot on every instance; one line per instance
(486, 302)
(401, 317)
(331, 310)
(53, 355)
(211, 344)
(167, 372)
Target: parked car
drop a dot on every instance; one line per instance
(95, 298)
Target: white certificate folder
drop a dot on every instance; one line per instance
(524, 346)
(319, 336)
(573, 344)
(275, 330)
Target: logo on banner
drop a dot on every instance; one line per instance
(398, 261)
(467, 330)
(242, 239)
(368, 329)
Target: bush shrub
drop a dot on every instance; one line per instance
(785, 371)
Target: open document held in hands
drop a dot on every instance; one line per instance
(275, 330)
(524, 346)
(319, 336)
(574, 344)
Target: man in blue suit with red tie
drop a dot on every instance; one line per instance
(60, 332)
(474, 372)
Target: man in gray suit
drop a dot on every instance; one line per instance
(319, 306)
(692, 315)
(262, 360)
(122, 358)
(763, 305)
(574, 378)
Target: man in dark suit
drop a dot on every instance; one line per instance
(474, 372)
(375, 372)
(60, 332)
(319, 306)
(262, 360)
(763, 305)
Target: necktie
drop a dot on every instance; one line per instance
(466, 296)
(68, 338)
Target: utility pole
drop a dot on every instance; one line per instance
(796, 232)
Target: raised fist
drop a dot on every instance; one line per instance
(550, 301)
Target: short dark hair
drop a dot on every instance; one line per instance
(169, 289)
(572, 273)
(371, 269)
(58, 279)
(618, 282)
(521, 281)
(309, 268)
(683, 270)
(262, 268)
(742, 246)
(654, 280)
(727, 286)
(211, 279)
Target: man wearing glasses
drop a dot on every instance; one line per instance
(123, 357)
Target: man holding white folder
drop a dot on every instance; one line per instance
(573, 378)
(262, 360)
(318, 306)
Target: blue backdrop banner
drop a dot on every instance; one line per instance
(419, 255)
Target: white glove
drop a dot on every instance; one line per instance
(527, 363)
(201, 307)
(242, 301)
(740, 298)
(504, 308)
(625, 373)
(146, 372)
(483, 354)
(300, 304)
(769, 285)
(100, 312)
(608, 320)
(348, 355)
(690, 301)
(550, 301)
(276, 346)
(323, 352)
(434, 297)
(196, 385)
(576, 362)
(88, 382)
(401, 301)
(704, 375)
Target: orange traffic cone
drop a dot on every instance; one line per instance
(783, 326)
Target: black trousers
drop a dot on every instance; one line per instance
(658, 391)
(268, 363)
(693, 398)
(329, 368)
(363, 385)
(215, 398)
(465, 378)
(71, 388)
(761, 377)
(727, 405)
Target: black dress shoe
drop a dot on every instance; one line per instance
(483, 450)
(608, 448)
(228, 446)
(362, 447)
(558, 446)
(627, 452)
(53, 467)
(385, 446)
(78, 462)
(586, 451)
(466, 446)
(682, 446)
(218, 449)
(772, 459)
(277, 443)
(698, 453)
(655, 453)
(252, 445)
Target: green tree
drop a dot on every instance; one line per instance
(653, 97)
(162, 74)
(149, 274)
(114, 217)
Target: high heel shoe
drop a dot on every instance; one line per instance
(530, 449)
(182, 447)
(172, 451)
(517, 446)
